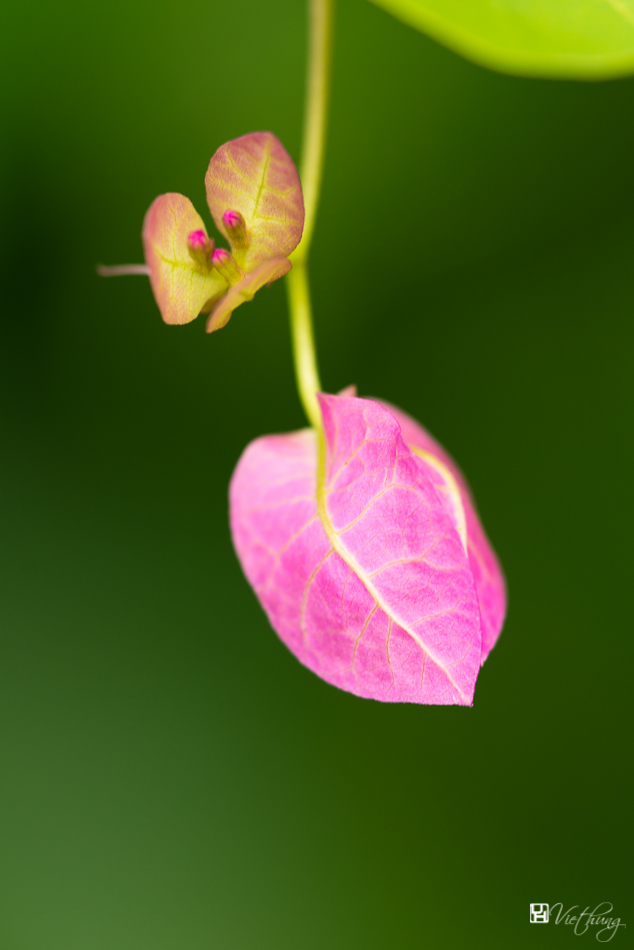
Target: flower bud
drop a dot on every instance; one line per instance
(200, 249)
(225, 264)
(236, 229)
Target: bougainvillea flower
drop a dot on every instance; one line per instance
(368, 556)
(255, 197)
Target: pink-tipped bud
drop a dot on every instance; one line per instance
(236, 229)
(224, 262)
(200, 248)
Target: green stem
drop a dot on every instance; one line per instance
(304, 357)
(317, 95)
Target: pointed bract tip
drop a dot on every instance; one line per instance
(200, 249)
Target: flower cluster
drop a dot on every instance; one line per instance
(255, 198)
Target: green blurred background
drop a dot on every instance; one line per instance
(171, 777)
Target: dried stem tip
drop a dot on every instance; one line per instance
(123, 270)
(236, 229)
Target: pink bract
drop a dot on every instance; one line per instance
(377, 575)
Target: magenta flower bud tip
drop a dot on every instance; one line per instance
(200, 248)
(232, 219)
(225, 264)
(220, 257)
(197, 239)
(236, 229)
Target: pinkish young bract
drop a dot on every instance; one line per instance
(255, 197)
(370, 562)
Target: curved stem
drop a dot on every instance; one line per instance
(317, 95)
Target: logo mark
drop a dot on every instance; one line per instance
(580, 922)
(539, 913)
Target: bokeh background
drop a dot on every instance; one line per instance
(171, 777)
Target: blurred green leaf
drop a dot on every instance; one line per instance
(567, 39)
